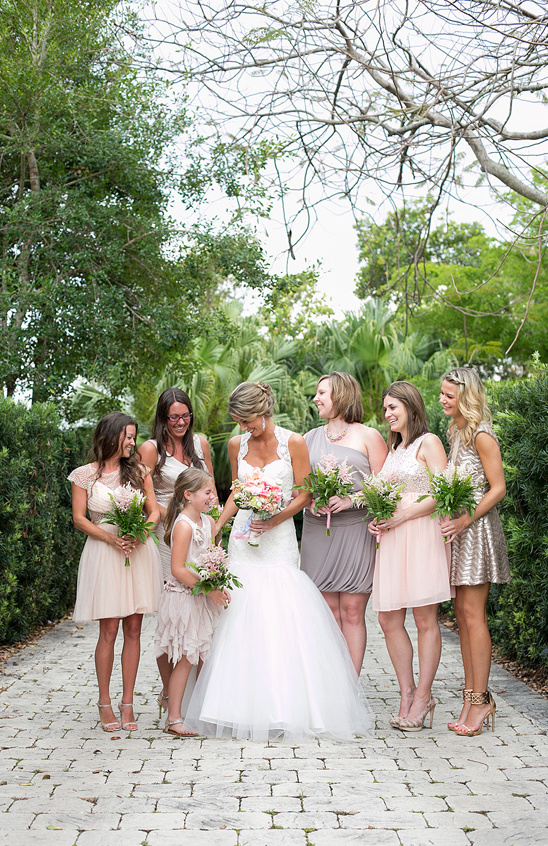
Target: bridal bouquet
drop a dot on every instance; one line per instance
(263, 498)
(213, 572)
(128, 515)
(379, 496)
(326, 480)
(453, 490)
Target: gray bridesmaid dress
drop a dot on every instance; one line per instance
(343, 562)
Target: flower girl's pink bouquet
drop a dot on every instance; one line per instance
(326, 480)
(263, 498)
(128, 515)
(213, 572)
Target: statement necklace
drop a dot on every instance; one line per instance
(334, 438)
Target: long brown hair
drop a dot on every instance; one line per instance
(160, 432)
(190, 481)
(417, 422)
(106, 441)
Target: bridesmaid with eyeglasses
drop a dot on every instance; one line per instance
(174, 447)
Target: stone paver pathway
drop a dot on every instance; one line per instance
(63, 781)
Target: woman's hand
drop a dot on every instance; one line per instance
(339, 503)
(220, 597)
(452, 528)
(123, 544)
(260, 526)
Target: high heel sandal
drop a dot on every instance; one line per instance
(416, 725)
(115, 726)
(169, 730)
(162, 698)
(466, 694)
(479, 699)
(131, 725)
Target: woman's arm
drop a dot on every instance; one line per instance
(148, 455)
(152, 509)
(489, 453)
(300, 461)
(374, 446)
(230, 508)
(81, 522)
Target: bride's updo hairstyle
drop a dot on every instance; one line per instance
(345, 395)
(470, 400)
(417, 423)
(250, 400)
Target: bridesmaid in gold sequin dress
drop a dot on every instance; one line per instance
(479, 555)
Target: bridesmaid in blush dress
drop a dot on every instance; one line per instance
(479, 555)
(412, 566)
(342, 565)
(107, 590)
(173, 448)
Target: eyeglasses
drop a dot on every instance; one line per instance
(174, 418)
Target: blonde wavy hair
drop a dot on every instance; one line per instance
(249, 400)
(470, 400)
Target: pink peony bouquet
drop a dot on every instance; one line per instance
(213, 572)
(379, 496)
(263, 498)
(128, 515)
(329, 479)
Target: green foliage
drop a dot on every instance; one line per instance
(39, 549)
(519, 611)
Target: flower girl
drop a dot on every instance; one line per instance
(185, 621)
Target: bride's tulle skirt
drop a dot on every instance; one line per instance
(279, 665)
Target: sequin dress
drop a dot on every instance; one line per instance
(106, 587)
(413, 563)
(479, 553)
(185, 622)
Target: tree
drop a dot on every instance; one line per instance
(404, 94)
(96, 279)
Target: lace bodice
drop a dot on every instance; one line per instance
(401, 465)
(99, 501)
(280, 470)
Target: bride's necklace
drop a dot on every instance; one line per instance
(334, 438)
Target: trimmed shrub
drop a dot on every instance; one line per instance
(39, 548)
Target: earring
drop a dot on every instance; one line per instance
(264, 424)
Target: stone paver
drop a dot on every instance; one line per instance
(63, 781)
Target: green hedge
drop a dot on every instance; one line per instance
(39, 548)
(518, 612)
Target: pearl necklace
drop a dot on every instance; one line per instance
(334, 438)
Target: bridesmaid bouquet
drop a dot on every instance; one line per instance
(380, 497)
(263, 498)
(453, 490)
(213, 571)
(326, 480)
(128, 515)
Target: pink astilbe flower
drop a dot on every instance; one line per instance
(213, 572)
(328, 479)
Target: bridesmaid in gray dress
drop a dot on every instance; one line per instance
(341, 565)
(173, 448)
(478, 556)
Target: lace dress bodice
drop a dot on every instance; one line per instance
(277, 545)
(401, 465)
(98, 490)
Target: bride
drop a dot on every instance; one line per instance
(279, 665)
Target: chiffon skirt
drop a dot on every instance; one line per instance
(412, 566)
(107, 588)
(279, 665)
(185, 624)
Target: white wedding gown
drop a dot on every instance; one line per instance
(279, 665)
